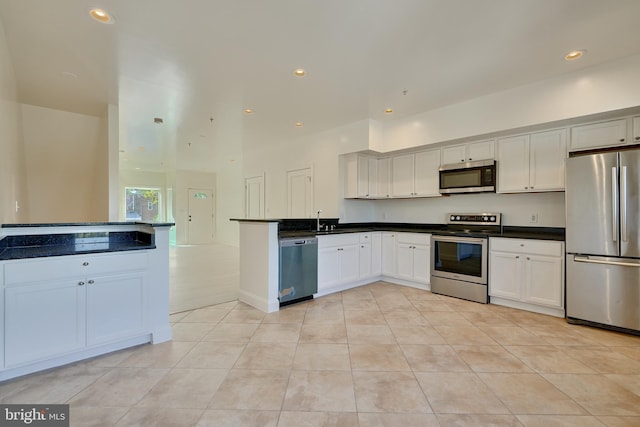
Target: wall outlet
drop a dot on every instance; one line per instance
(533, 218)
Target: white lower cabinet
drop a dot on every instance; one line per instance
(58, 305)
(527, 274)
(338, 260)
(389, 254)
(412, 252)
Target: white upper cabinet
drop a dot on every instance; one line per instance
(531, 163)
(384, 178)
(636, 130)
(471, 152)
(416, 175)
(366, 177)
(402, 175)
(596, 135)
(513, 164)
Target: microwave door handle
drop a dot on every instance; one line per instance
(614, 202)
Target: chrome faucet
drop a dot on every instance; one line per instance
(318, 221)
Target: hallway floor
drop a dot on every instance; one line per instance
(378, 355)
(202, 275)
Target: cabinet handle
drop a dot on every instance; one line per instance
(517, 256)
(80, 283)
(462, 160)
(470, 158)
(522, 245)
(637, 138)
(526, 188)
(528, 259)
(85, 263)
(621, 139)
(91, 282)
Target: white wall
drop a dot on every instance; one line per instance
(320, 152)
(516, 209)
(12, 170)
(608, 87)
(67, 165)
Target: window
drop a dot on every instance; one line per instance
(142, 204)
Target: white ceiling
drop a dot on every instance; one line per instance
(192, 60)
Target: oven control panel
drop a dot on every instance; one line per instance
(474, 219)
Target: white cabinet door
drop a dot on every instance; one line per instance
(513, 164)
(543, 280)
(372, 178)
(404, 253)
(427, 173)
(115, 307)
(604, 134)
(547, 151)
(365, 261)
(363, 176)
(636, 130)
(481, 150)
(384, 177)
(43, 320)
(328, 267)
(421, 260)
(402, 175)
(454, 154)
(376, 254)
(505, 271)
(349, 263)
(389, 254)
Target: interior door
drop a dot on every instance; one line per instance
(300, 193)
(201, 216)
(592, 220)
(629, 203)
(254, 197)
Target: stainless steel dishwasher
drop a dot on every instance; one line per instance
(298, 269)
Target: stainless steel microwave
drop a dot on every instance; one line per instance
(470, 177)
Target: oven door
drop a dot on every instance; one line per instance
(459, 258)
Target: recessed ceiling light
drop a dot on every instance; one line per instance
(388, 111)
(248, 111)
(158, 120)
(101, 15)
(299, 72)
(574, 54)
(299, 124)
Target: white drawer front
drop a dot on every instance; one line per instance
(414, 238)
(529, 246)
(338, 240)
(55, 268)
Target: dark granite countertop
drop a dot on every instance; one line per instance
(86, 224)
(47, 245)
(541, 233)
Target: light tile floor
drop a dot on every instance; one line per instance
(378, 355)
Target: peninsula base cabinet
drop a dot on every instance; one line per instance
(65, 308)
(527, 274)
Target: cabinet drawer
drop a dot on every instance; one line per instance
(56, 268)
(338, 240)
(529, 246)
(414, 238)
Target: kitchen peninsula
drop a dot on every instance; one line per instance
(355, 254)
(77, 290)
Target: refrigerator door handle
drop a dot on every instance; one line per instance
(614, 202)
(586, 259)
(623, 203)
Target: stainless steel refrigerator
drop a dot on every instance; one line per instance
(603, 240)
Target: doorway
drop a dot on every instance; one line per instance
(201, 216)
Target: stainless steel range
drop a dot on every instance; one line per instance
(459, 256)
